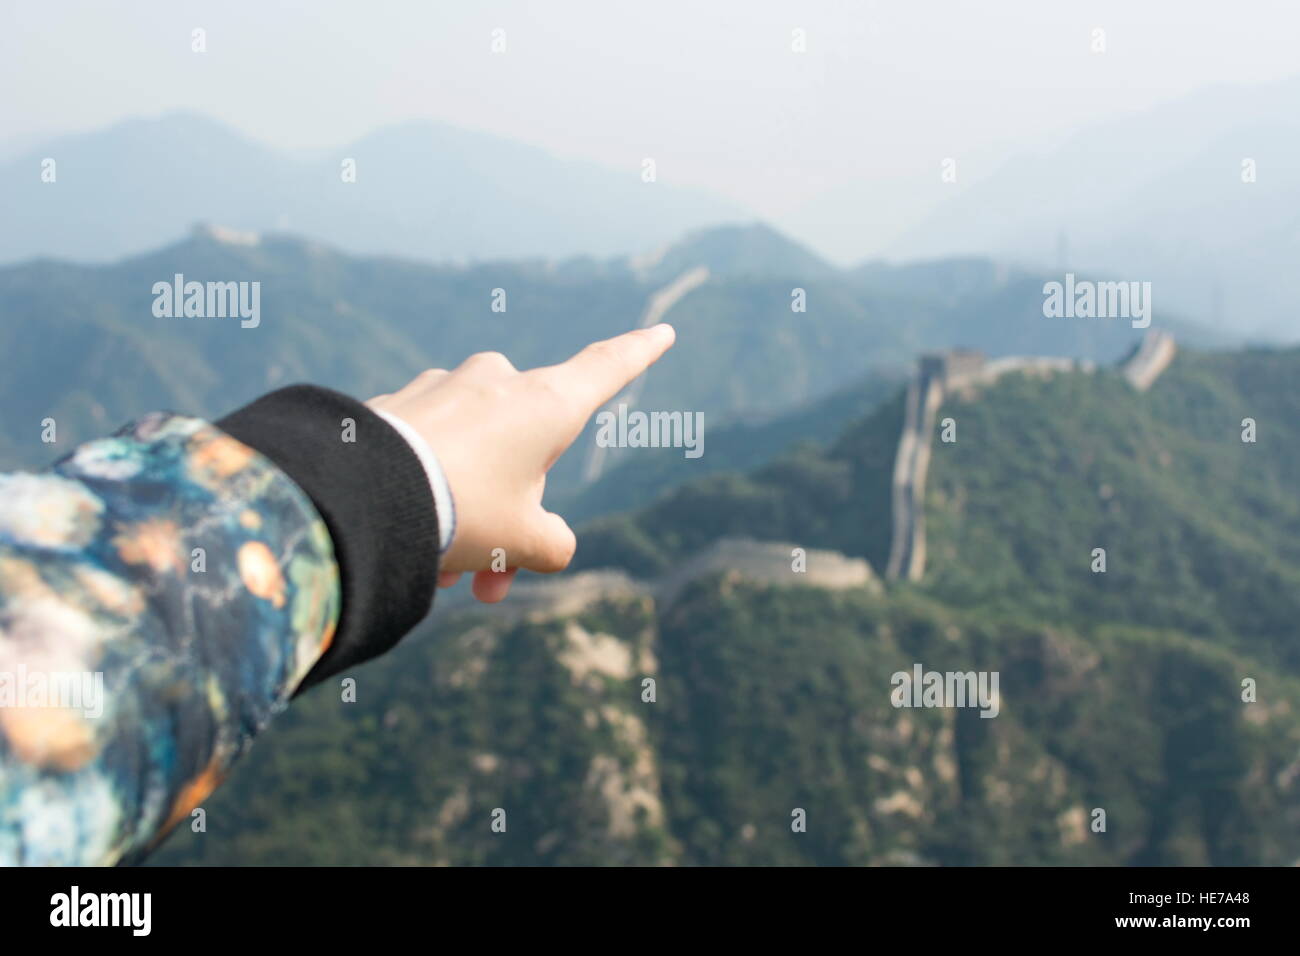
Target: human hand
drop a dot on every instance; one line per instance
(497, 431)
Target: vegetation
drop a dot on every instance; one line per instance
(1120, 695)
(366, 325)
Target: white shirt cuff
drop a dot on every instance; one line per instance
(442, 500)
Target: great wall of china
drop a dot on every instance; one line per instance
(629, 781)
(657, 306)
(942, 374)
(1150, 359)
(630, 786)
(938, 376)
(756, 562)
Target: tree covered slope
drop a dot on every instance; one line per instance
(1120, 694)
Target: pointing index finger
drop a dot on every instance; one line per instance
(602, 369)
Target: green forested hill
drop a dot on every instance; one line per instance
(1119, 692)
(1201, 530)
(82, 346)
(768, 701)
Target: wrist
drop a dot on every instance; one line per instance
(372, 494)
(443, 503)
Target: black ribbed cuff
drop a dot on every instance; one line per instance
(376, 502)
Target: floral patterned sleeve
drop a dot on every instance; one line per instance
(163, 592)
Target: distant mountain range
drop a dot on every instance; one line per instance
(1199, 196)
(422, 190)
(1160, 196)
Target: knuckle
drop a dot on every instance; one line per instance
(493, 360)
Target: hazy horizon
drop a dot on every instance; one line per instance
(838, 146)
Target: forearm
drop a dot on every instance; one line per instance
(205, 582)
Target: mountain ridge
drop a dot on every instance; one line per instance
(414, 315)
(423, 189)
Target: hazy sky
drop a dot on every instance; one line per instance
(840, 145)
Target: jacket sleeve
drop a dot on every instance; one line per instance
(164, 592)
